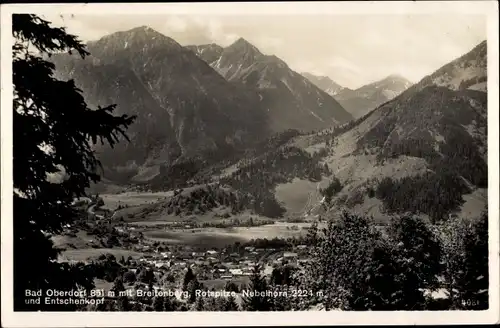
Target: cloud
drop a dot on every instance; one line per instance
(176, 24)
(352, 49)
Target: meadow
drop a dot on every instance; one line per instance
(221, 237)
(93, 253)
(132, 198)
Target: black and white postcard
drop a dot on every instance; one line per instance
(249, 163)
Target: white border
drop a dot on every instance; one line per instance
(127, 319)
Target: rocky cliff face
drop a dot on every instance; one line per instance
(290, 100)
(186, 110)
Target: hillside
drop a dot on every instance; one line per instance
(466, 72)
(424, 152)
(324, 83)
(208, 52)
(186, 110)
(290, 100)
(360, 101)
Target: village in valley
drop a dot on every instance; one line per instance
(149, 265)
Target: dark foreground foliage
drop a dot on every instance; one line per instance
(53, 132)
(357, 267)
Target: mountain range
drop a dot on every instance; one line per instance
(424, 151)
(324, 83)
(360, 101)
(290, 100)
(228, 114)
(187, 110)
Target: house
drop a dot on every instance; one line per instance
(278, 260)
(236, 272)
(249, 248)
(212, 252)
(226, 277)
(268, 270)
(162, 264)
(289, 254)
(212, 259)
(301, 246)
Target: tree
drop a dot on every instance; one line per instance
(258, 285)
(353, 267)
(118, 285)
(192, 287)
(312, 234)
(146, 276)
(231, 287)
(199, 304)
(188, 277)
(418, 255)
(158, 304)
(466, 263)
(129, 277)
(230, 304)
(333, 188)
(53, 160)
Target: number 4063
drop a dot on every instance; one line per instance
(470, 302)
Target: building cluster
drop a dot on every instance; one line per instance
(223, 264)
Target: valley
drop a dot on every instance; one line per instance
(274, 188)
(238, 172)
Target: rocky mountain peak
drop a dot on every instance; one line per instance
(242, 46)
(138, 37)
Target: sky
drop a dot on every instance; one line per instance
(352, 50)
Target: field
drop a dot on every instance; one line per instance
(474, 204)
(132, 198)
(79, 240)
(299, 195)
(91, 253)
(220, 237)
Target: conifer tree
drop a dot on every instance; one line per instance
(230, 304)
(188, 277)
(465, 248)
(158, 304)
(418, 254)
(53, 132)
(353, 267)
(257, 284)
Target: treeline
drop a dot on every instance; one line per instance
(204, 199)
(434, 194)
(333, 188)
(458, 154)
(357, 267)
(200, 170)
(259, 177)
